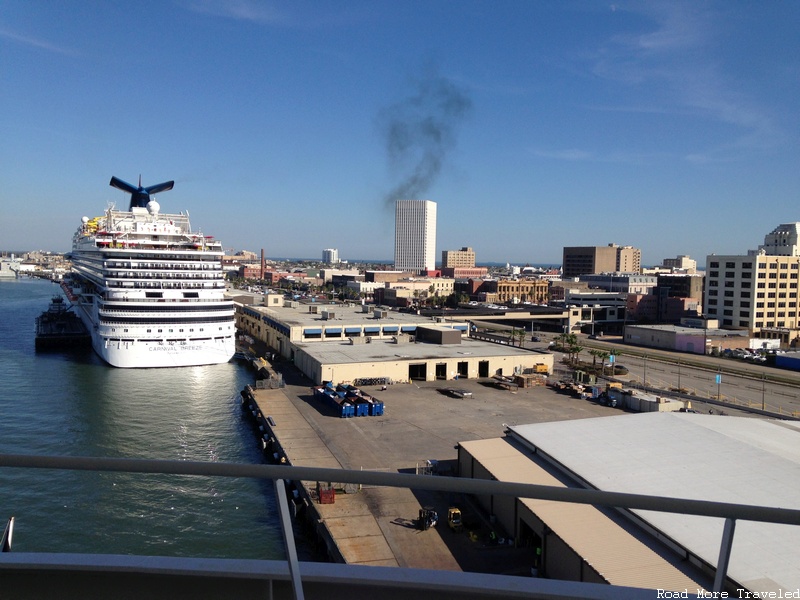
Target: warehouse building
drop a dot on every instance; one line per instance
(348, 343)
(678, 455)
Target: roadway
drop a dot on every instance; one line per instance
(741, 384)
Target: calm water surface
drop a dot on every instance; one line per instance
(74, 404)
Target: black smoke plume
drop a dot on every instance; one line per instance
(419, 132)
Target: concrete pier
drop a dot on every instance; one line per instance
(355, 532)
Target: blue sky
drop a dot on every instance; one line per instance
(670, 126)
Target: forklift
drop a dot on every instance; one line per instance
(428, 518)
(454, 518)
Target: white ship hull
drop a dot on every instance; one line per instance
(138, 354)
(130, 352)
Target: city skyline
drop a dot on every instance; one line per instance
(668, 126)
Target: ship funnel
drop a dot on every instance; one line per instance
(140, 196)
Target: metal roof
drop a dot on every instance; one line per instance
(609, 548)
(379, 350)
(704, 457)
(296, 314)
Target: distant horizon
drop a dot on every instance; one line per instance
(6, 254)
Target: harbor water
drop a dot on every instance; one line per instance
(73, 404)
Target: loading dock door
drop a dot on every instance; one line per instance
(483, 368)
(441, 371)
(463, 369)
(418, 371)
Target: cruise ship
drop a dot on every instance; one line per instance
(149, 289)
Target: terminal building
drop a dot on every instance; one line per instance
(357, 342)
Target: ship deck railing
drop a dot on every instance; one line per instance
(25, 575)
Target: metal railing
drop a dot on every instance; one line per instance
(281, 473)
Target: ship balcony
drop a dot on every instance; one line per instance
(171, 316)
(165, 285)
(66, 576)
(159, 275)
(164, 265)
(126, 302)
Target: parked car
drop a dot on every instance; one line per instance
(620, 370)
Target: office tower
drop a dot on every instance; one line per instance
(758, 291)
(415, 235)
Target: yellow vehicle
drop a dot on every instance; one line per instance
(454, 518)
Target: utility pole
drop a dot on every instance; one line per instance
(644, 378)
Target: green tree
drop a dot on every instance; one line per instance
(517, 336)
(595, 355)
(574, 351)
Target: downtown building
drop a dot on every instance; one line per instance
(758, 291)
(453, 259)
(460, 264)
(415, 235)
(587, 260)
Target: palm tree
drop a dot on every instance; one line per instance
(603, 356)
(595, 355)
(565, 340)
(575, 350)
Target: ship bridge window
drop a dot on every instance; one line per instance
(154, 294)
(191, 295)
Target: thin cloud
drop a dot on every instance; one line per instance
(240, 10)
(297, 14)
(674, 57)
(571, 154)
(36, 43)
(620, 158)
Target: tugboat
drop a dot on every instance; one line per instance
(59, 327)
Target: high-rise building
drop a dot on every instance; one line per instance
(415, 235)
(458, 258)
(330, 256)
(757, 291)
(586, 260)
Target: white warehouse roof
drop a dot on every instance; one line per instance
(704, 457)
